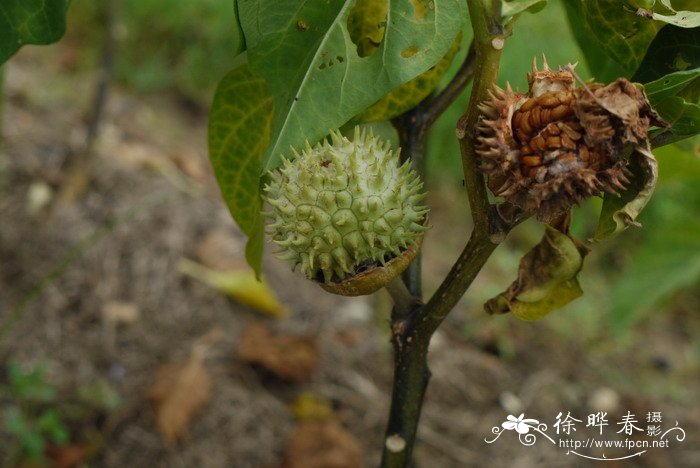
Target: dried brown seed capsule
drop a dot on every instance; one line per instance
(547, 150)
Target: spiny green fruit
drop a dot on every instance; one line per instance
(342, 208)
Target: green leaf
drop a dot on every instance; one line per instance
(683, 116)
(511, 8)
(410, 94)
(673, 49)
(30, 22)
(621, 211)
(612, 27)
(546, 278)
(50, 423)
(671, 84)
(240, 124)
(319, 81)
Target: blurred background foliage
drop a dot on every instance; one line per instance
(185, 48)
(174, 45)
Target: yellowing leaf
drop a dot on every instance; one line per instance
(366, 25)
(408, 95)
(180, 391)
(559, 296)
(309, 407)
(241, 285)
(546, 278)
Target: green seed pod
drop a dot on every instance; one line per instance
(343, 209)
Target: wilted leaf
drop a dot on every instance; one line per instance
(30, 22)
(313, 69)
(240, 285)
(546, 278)
(178, 394)
(309, 407)
(612, 27)
(291, 358)
(621, 211)
(408, 95)
(323, 445)
(240, 123)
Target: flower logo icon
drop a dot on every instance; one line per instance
(519, 424)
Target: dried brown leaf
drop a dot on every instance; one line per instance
(323, 445)
(67, 456)
(291, 358)
(180, 391)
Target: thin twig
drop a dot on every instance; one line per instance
(434, 107)
(412, 128)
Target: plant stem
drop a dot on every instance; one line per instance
(411, 333)
(412, 128)
(403, 300)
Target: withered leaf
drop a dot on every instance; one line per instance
(180, 391)
(289, 357)
(546, 278)
(309, 407)
(240, 284)
(323, 445)
(621, 211)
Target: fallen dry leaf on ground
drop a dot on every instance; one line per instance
(241, 285)
(180, 391)
(288, 357)
(68, 456)
(323, 445)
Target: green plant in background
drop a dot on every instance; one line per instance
(309, 67)
(27, 411)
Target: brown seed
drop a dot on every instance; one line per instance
(527, 105)
(548, 100)
(573, 134)
(536, 117)
(554, 142)
(584, 154)
(559, 112)
(531, 160)
(567, 142)
(525, 125)
(553, 129)
(538, 143)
